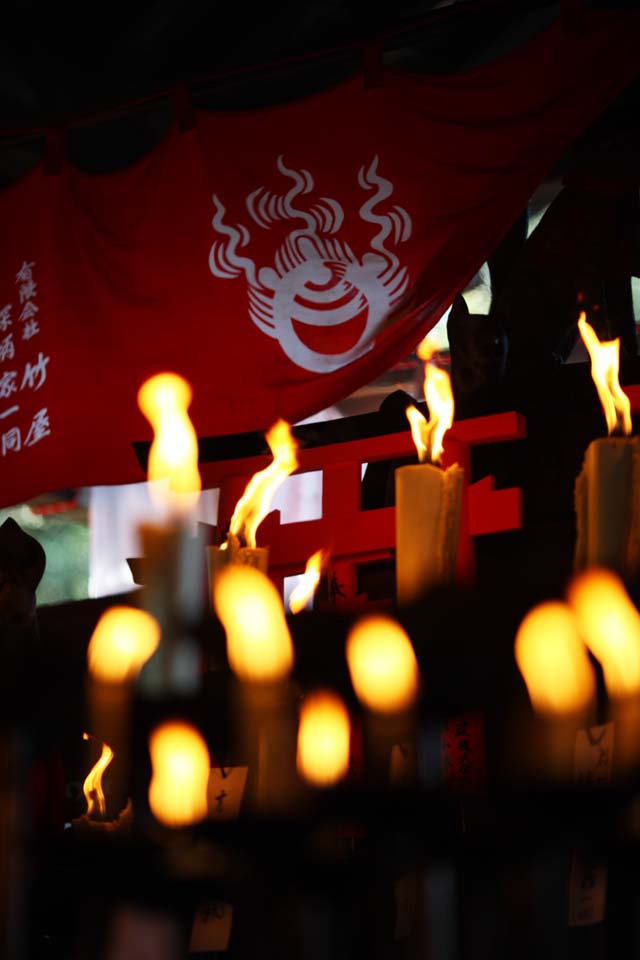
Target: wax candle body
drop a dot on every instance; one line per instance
(428, 506)
(607, 516)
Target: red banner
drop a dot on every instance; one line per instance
(278, 258)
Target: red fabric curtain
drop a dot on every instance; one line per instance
(278, 258)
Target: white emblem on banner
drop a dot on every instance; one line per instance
(316, 280)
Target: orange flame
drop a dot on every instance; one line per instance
(610, 625)
(605, 364)
(308, 583)
(92, 786)
(382, 664)
(121, 644)
(180, 773)
(553, 660)
(323, 739)
(255, 502)
(259, 646)
(428, 435)
(164, 400)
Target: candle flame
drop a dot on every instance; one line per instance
(553, 660)
(323, 739)
(255, 502)
(164, 400)
(180, 773)
(382, 664)
(428, 435)
(610, 626)
(259, 646)
(308, 583)
(92, 786)
(121, 644)
(605, 364)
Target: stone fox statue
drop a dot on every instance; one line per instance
(581, 256)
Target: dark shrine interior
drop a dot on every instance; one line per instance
(446, 864)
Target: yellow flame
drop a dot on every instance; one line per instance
(180, 772)
(553, 660)
(428, 435)
(92, 786)
(121, 644)
(382, 664)
(255, 502)
(164, 400)
(259, 645)
(308, 583)
(605, 363)
(610, 625)
(323, 739)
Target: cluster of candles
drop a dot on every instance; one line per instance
(149, 648)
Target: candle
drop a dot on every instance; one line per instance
(324, 734)
(606, 514)
(173, 556)
(610, 626)
(254, 505)
(260, 653)
(561, 684)
(180, 773)
(428, 498)
(385, 676)
(306, 587)
(122, 642)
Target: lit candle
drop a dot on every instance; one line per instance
(95, 819)
(173, 556)
(254, 505)
(260, 653)
(307, 585)
(324, 734)
(607, 517)
(428, 498)
(180, 766)
(561, 684)
(122, 642)
(385, 676)
(610, 626)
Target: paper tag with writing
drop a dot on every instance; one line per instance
(224, 792)
(592, 764)
(211, 927)
(463, 753)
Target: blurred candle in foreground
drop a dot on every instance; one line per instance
(122, 642)
(323, 739)
(560, 681)
(385, 676)
(607, 514)
(260, 653)
(173, 556)
(610, 626)
(180, 773)
(428, 498)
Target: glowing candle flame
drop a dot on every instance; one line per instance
(610, 626)
(382, 664)
(92, 786)
(164, 400)
(255, 502)
(259, 645)
(553, 660)
(121, 644)
(428, 435)
(308, 583)
(605, 363)
(323, 739)
(180, 773)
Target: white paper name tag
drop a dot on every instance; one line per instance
(211, 929)
(593, 758)
(224, 792)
